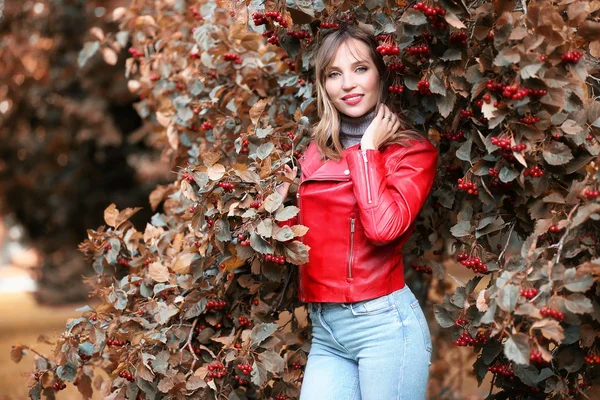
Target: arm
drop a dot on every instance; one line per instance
(388, 205)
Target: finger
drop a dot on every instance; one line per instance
(381, 112)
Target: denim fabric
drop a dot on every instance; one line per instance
(378, 349)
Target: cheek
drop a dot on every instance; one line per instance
(330, 89)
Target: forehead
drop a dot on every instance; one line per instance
(350, 51)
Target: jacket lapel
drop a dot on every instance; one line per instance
(313, 168)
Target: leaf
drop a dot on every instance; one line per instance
(530, 71)
(257, 110)
(436, 85)
(571, 127)
(272, 202)
(296, 252)
(182, 262)
(273, 362)
(282, 234)
(557, 153)
(413, 17)
(461, 229)
(264, 150)
(516, 348)
(162, 315)
(507, 56)
(158, 272)
(584, 213)
(299, 230)
(265, 228)
(109, 55)
(17, 352)
(550, 328)
(445, 104)
(577, 303)
(464, 151)
(508, 174)
(67, 372)
(110, 215)
(88, 51)
(443, 316)
(259, 244)
(287, 213)
(260, 332)
(453, 20)
(216, 172)
(452, 54)
(507, 297)
(576, 283)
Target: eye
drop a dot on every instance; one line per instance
(331, 74)
(361, 68)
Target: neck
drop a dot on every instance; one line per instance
(352, 129)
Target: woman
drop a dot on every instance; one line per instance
(364, 178)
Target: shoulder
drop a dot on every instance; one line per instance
(422, 148)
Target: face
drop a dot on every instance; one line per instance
(352, 80)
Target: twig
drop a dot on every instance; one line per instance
(492, 385)
(512, 227)
(285, 285)
(561, 242)
(524, 4)
(189, 339)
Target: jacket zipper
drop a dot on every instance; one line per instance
(364, 154)
(351, 254)
(298, 197)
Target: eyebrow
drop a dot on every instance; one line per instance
(331, 67)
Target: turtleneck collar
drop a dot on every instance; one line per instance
(352, 129)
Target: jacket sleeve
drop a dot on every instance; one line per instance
(389, 204)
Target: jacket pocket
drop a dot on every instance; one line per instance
(351, 251)
(423, 323)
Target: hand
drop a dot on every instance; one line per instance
(385, 125)
(289, 173)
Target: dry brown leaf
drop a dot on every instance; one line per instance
(110, 215)
(158, 272)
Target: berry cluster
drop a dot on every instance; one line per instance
(494, 173)
(329, 25)
(255, 302)
(245, 368)
(453, 168)
(154, 78)
(122, 261)
(464, 114)
(591, 194)
(299, 34)
(396, 89)
(501, 369)
(115, 342)
(468, 187)
(126, 375)
(531, 120)
(227, 186)
(535, 172)
(274, 258)
(434, 15)
(232, 57)
(244, 321)
(571, 57)
(245, 149)
(199, 328)
(514, 92)
(400, 67)
(422, 268)
(459, 38)
(280, 397)
(387, 49)
(255, 204)
(243, 241)
(555, 229)
(262, 19)
(486, 97)
(423, 87)
(453, 136)
(592, 359)
(460, 322)
(194, 55)
(135, 52)
(191, 210)
(536, 357)
(529, 293)
(498, 184)
(383, 37)
(555, 314)
(428, 36)
(210, 222)
(465, 339)
(59, 385)
(474, 263)
(301, 82)
(519, 147)
(419, 51)
(206, 126)
(296, 365)
(217, 305)
(217, 370)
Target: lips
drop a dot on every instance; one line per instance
(352, 96)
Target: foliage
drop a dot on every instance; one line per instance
(66, 147)
(506, 93)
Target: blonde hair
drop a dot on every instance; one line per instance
(326, 131)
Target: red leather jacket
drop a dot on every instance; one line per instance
(360, 211)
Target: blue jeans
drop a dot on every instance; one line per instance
(378, 349)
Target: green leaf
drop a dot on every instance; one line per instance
(264, 150)
(508, 174)
(516, 348)
(413, 17)
(286, 213)
(67, 372)
(443, 316)
(461, 229)
(260, 332)
(259, 244)
(507, 297)
(576, 283)
(272, 202)
(557, 153)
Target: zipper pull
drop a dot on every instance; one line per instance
(352, 225)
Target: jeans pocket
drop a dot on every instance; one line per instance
(423, 323)
(376, 306)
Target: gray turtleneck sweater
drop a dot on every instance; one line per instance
(352, 129)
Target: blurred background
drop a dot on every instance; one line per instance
(71, 143)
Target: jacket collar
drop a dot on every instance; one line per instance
(314, 168)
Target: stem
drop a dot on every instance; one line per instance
(561, 242)
(512, 227)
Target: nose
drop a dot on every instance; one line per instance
(347, 83)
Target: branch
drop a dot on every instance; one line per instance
(561, 242)
(512, 227)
